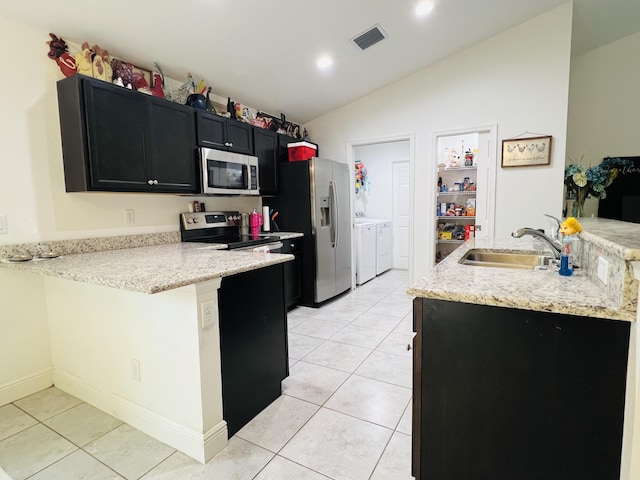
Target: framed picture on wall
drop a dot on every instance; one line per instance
(526, 152)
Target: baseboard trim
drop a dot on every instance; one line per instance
(199, 446)
(25, 386)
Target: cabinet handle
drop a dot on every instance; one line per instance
(408, 347)
(155, 182)
(150, 182)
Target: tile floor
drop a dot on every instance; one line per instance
(344, 414)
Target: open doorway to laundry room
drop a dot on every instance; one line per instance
(382, 174)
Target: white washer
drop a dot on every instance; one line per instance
(366, 239)
(384, 242)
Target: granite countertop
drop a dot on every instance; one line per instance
(541, 290)
(151, 269)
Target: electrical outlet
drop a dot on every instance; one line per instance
(209, 313)
(135, 369)
(603, 270)
(130, 216)
(3, 225)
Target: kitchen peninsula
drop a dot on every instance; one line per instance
(525, 373)
(147, 334)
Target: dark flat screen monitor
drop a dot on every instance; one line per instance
(623, 195)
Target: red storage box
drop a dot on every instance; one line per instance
(301, 151)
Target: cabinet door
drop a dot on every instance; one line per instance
(240, 137)
(283, 150)
(211, 130)
(253, 343)
(116, 137)
(508, 393)
(266, 149)
(172, 160)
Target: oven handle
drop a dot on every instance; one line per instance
(255, 248)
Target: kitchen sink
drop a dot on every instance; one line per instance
(508, 259)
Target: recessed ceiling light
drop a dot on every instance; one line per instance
(424, 8)
(324, 62)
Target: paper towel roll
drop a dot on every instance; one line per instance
(266, 226)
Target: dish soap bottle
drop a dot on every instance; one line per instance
(569, 230)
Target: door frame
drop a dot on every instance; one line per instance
(351, 146)
(488, 174)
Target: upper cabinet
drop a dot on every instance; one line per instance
(266, 149)
(114, 139)
(221, 133)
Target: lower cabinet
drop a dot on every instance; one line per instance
(501, 393)
(292, 272)
(253, 343)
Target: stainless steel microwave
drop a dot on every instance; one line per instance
(228, 173)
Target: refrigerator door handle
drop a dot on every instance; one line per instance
(333, 214)
(336, 227)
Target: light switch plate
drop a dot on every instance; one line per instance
(603, 270)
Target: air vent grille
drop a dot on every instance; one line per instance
(369, 38)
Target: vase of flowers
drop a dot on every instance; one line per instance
(592, 182)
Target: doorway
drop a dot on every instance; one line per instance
(386, 191)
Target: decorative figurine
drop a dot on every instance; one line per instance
(231, 109)
(84, 62)
(59, 52)
(210, 106)
(569, 229)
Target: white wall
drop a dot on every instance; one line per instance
(518, 79)
(376, 200)
(32, 193)
(604, 104)
(33, 198)
(25, 355)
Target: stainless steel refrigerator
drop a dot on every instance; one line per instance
(313, 198)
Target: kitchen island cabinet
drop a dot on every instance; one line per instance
(115, 139)
(525, 373)
(147, 334)
(508, 393)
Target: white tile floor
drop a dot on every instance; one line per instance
(344, 414)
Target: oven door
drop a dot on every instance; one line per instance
(227, 173)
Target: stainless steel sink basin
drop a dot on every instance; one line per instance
(519, 260)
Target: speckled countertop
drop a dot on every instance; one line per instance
(542, 290)
(151, 269)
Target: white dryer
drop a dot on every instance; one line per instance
(384, 242)
(366, 246)
(384, 246)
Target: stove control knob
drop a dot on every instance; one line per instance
(195, 220)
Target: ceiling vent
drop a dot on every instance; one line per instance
(370, 37)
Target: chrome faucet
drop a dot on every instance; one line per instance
(555, 248)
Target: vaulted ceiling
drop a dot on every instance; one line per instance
(263, 53)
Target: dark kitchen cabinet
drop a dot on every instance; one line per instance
(292, 272)
(222, 133)
(114, 139)
(283, 143)
(266, 149)
(501, 393)
(253, 343)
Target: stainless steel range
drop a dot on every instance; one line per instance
(223, 228)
